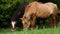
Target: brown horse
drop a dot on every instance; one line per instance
(41, 10)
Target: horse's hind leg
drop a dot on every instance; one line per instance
(54, 21)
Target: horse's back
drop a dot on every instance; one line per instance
(41, 9)
(46, 9)
(54, 6)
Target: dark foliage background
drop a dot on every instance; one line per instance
(7, 8)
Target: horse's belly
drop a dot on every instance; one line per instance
(44, 14)
(44, 11)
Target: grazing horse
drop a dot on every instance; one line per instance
(18, 14)
(41, 10)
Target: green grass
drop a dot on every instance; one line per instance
(35, 31)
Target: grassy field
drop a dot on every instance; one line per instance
(35, 31)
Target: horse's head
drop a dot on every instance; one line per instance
(25, 22)
(13, 22)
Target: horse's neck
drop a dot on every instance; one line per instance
(29, 10)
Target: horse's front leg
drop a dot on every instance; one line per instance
(13, 25)
(54, 21)
(33, 23)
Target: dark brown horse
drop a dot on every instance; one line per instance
(41, 10)
(18, 14)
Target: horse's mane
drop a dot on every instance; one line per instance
(21, 9)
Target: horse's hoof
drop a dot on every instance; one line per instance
(32, 28)
(55, 27)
